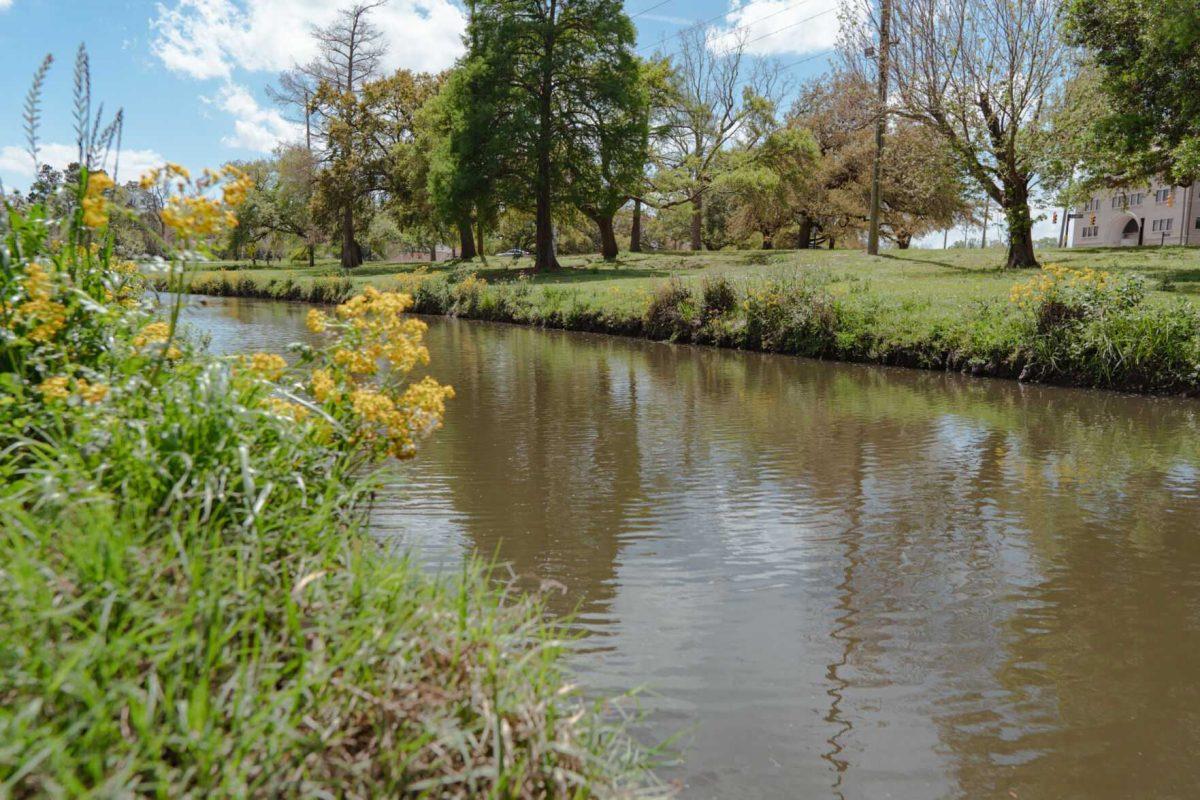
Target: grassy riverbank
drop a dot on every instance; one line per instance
(190, 604)
(1120, 319)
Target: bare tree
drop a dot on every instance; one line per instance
(983, 75)
(296, 93)
(717, 99)
(350, 51)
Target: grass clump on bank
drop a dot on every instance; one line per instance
(189, 603)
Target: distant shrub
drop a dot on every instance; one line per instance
(718, 297)
(672, 312)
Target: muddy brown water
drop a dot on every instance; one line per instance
(830, 580)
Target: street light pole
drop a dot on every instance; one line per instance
(885, 18)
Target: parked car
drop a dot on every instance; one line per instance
(516, 252)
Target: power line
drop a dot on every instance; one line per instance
(722, 15)
(813, 57)
(651, 8)
(796, 24)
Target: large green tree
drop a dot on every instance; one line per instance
(545, 67)
(1148, 55)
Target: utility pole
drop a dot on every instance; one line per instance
(885, 19)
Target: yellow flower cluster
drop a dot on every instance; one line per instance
(95, 204)
(192, 212)
(324, 387)
(40, 310)
(1055, 278)
(374, 332)
(156, 333)
(287, 408)
(56, 388)
(265, 365)
(91, 392)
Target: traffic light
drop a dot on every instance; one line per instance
(1092, 220)
(1055, 220)
(1171, 200)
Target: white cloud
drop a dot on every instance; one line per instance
(254, 127)
(5, 4)
(211, 38)
(778, 27)
(15, 161)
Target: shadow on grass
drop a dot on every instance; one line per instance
(960, 268)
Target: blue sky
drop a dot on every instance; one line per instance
(190, 74)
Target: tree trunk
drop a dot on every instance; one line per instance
(698, 223)
(635, 237)
(1020, 227)
(479, 251)
(608, 238)
(433, 254)
(903, 240)
(768, 241)
(466, 241)
(544, 213)
(804, 237)
(832, 242)
(351, 255)
(312, 255)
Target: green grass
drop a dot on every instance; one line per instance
(929, 283)
(935, 309)
(191, 604)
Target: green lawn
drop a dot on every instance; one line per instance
(928, 280)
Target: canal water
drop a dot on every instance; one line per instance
(830, 581)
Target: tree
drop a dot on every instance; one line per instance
(540, 64)
(607, 147)
(837, 111)
(350, 52)
(921, 187)
(767, 181)
(982, 74)
(715, 101)
(457, 139)
(1145, 53)
(286, 197)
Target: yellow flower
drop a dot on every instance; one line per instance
(150, 179)
(357, 362)
(317, 321)
(54, 388)
(286, 408)
(98, 183)
(95, 205)
(267, 365)
(91, 392)
(154, 333)
(324, 387)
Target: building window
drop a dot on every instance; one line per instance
(1136, 199)
(1092, 205)
(1198, 223)
(1089, 232)
(1162, 195)
(1162, 225)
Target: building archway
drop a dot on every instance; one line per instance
(1127, 230)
